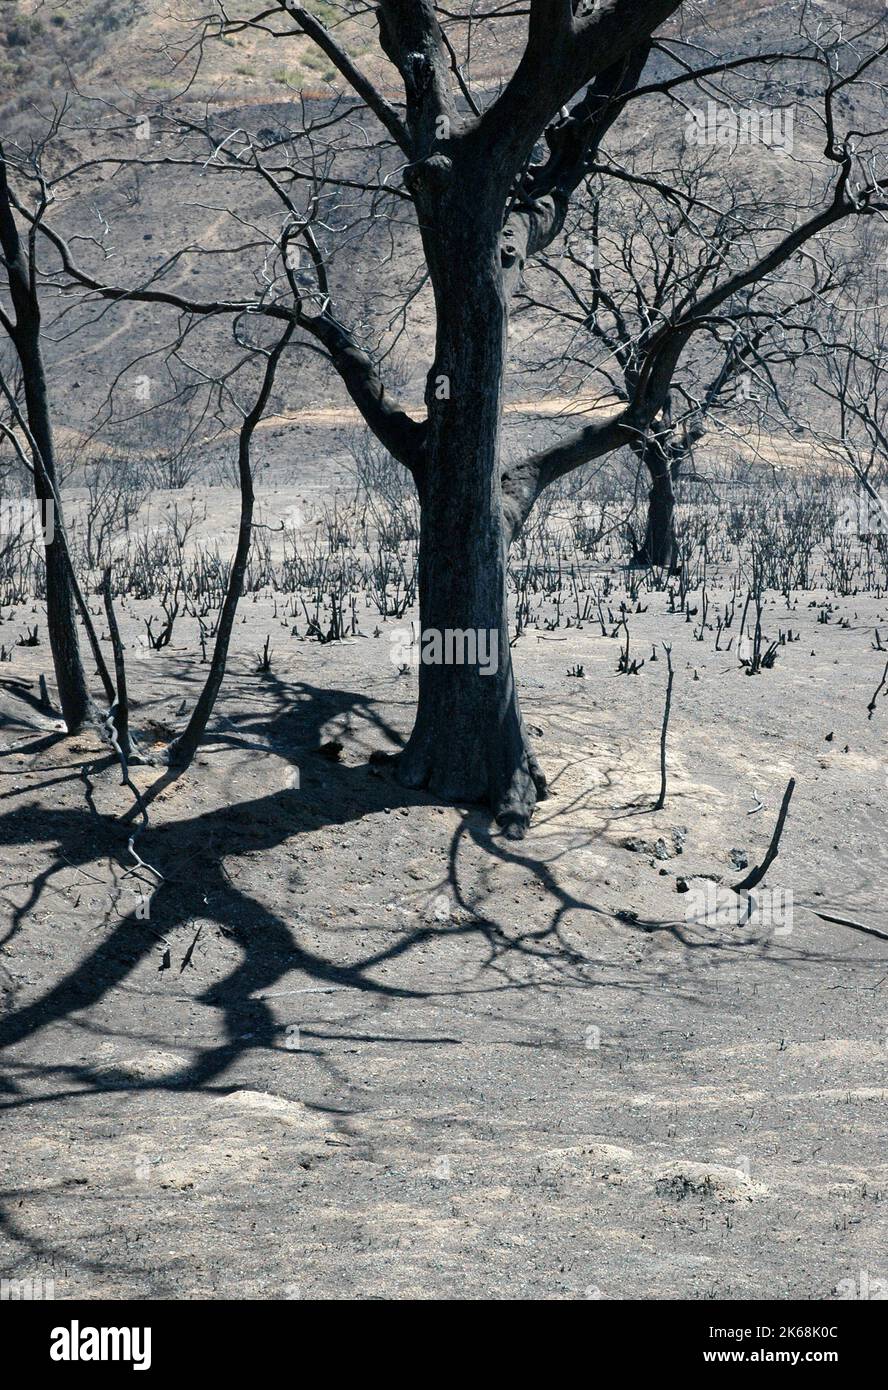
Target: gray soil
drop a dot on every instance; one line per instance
(362, 1046)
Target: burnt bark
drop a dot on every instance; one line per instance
(60, 609)
(660, 544)
(24, 334)
(182, 750)
(469, 743)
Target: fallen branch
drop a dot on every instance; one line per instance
(846, 922)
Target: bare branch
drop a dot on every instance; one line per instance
(365, 89)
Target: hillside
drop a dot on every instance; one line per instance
(122, 60)
(147, 47)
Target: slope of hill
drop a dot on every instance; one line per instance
(134, 54)
(150, 46)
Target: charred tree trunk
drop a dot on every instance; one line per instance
(469, 742)
(25, 336)
(182, 750)
(60, 613)
(660, 544)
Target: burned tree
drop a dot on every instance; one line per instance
(22, 326)
(489, 179)
(848, 356)
(485, 205)
(729, 380)
(486, 202)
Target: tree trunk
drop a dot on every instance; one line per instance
(469, 743)
(25, 337)
(182, 750)
(60, 619)
(660, 545)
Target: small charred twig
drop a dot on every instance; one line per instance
(661, 799)
(625, 667)
(119, 710)
(186, 959)
(756, 875)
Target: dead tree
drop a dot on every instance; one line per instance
(489, 179)
(484, 206)
(22, 326)
(643, 248)
(183, 749)
(848, 371)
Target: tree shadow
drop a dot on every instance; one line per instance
(196, 885)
